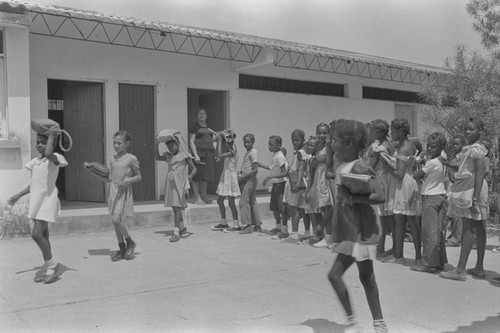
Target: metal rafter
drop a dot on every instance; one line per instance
(68, 27)
(352, 67)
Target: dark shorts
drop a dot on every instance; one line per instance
(277, 192)
(205, 171)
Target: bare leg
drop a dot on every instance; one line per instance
(341, 264)
(467, 241)
(481, 244)
(367, 278)
(196, 191)
(416, 235)
(120, 229)
(399, 234)
(40, 236)
(232, 206)
(222, 208)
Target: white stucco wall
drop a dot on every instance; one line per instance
(260, 112)
(15, 177)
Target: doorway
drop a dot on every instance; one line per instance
(215, 102)
(79, 109)
(137, 116)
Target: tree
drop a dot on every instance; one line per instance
(486, 14)
(471, 90)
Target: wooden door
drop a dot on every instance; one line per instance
(137, 108)
(83, 119)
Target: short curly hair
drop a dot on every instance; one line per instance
(380, 126)
(401, 125)
(352, 130)
(438, 138)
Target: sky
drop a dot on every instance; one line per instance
(418, 31)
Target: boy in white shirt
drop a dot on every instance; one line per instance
(433, 197)
(278, 174)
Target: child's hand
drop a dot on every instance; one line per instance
(123, 184)
(86, 165)
(190, 178)
(12, 200)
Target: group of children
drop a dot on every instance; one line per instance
(349, 182)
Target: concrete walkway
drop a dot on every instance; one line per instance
(226, 282)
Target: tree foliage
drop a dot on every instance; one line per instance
(486, 15)
(470, 91)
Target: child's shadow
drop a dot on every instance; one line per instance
(108, 253)
(170, 233)
(60, 269)
(320, 325)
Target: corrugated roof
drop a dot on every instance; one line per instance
(226, 36)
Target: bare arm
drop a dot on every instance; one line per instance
(49, 148)
(193, 169)
(13, 199)
(192, 137)
(157, 153)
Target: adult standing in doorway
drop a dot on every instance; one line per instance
(201, 139)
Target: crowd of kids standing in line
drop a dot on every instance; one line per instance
(349, 183)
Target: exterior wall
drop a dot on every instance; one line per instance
(15, 151)
(263, 113)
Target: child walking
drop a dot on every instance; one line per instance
(433, 194)
(278, 173)
(44, 205)
(124, 170)
(228, 183)
(350, 212)
(294, 188)
(177, 180)
(247, 178)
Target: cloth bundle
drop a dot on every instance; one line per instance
(46, 126)
(97, 169)
(166, 135)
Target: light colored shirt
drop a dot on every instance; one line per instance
(434, 179)
(278, 161)
(249, 160)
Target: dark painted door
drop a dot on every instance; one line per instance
(137, 109)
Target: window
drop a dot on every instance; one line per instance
(392, 95)
(290, 86)
(408, 112)
(4, 130)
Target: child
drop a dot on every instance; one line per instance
(278, 173)
(319, 189)
(247, 179)
(177, 180)
(294, 193)
(455, 237)
(433, 194)
(124, 170)
(44, 205)
(228, 183)
(350, 212)
(468, 200)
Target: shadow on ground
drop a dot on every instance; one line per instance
(488, 325)
(320, 325)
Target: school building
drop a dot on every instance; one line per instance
(96, 73)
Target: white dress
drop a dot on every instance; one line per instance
(44, 201)
(228, 183)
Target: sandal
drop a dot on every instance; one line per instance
(51, 274)
(453, 275)
(496, 280)
(477, 273)
(496, 249)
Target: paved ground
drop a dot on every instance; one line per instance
(218, 282)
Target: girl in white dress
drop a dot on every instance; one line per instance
(228, 183)
(44, 205)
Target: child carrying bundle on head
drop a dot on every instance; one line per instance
(228, 183)
(124, 170)
(178, 177)
(44, 205)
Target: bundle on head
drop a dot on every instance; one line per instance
(47, 126)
